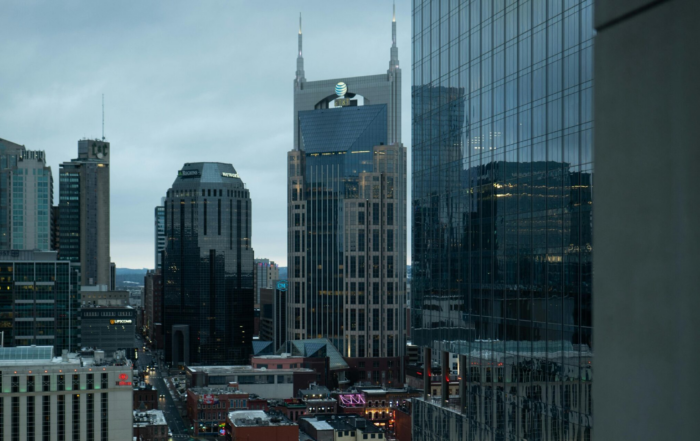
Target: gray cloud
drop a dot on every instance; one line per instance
(184, 81)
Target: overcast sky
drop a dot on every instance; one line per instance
(184, 81)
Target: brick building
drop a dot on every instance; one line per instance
(150, 425)
(257, 425)
(402, 422)
(207, 407)
(147, 395)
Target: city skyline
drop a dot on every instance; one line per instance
(164, 120)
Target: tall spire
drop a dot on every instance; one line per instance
(394, 63)
(300, 78)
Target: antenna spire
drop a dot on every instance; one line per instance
(103, 117)
(394, 62)
(300, 78)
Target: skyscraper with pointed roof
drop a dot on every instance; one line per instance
(347, 218)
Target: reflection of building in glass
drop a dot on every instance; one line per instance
(346, 214)
(208, 267)
(502, 198)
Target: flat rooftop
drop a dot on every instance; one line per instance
(43, 356)
(243, 369)
(214, 390)
(253, 418)
(154, 417)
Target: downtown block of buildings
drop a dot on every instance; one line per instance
(67, 335)
(501, 331)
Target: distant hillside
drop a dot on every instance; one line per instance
(283, 272)
(127, 277)
(131, 271)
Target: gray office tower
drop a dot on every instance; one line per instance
(84, 212)
(346, 216)
(159, 234)
(501, 207)
(208, 267)
(26, 196)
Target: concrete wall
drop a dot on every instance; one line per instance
(647, 220)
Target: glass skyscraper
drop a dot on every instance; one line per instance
(208, 267)
(39, 300)
(501, 212)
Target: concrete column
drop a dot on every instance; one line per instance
(646, 262)
(426, 372)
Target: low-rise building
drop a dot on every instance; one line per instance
(402, 422)
(257, 403)
(267, 383)
(67, 397)
(150, 425)
(374, 403)
(315, 351)
(317, 429)
(291, 408)
(321, 406)
(341, 428)
(99, 296)
(256, 425)
(108, 328)
(318, 401)
(207, 407)
(145, 395)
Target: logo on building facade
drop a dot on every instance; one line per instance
(120, 322)
(230, 175)
(188, 173)
(99, 150)
(341, 89)
(282, 285)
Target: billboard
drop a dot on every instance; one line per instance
(210, 399)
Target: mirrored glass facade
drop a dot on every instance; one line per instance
(208, 285)
(501, 212)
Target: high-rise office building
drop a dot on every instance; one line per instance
(84, 212)
(64, 396)
(266, 274)
(159, 234)
(346, 216)
(26, 196)
(501, 204)
(39, 300)
(208, 267)
(9, 157)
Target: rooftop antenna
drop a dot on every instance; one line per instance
(103, 117)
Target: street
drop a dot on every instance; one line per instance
(177, 426)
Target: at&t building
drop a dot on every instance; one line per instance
(347, 219)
